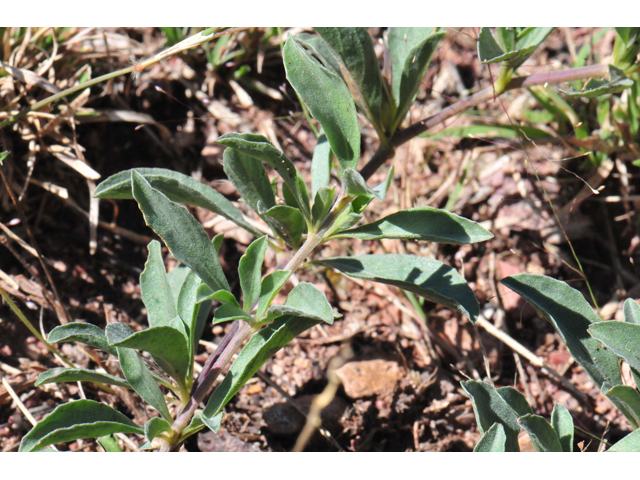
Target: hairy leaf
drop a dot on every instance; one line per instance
(493, 440)
(423, 276)
(83, 333)
(250, 272)
(328, 100)
(183, 234)
(571, 315)
(75, 420)
(63, 374)
(177, 187)
(562, 423)
(421, 223)
(321, 164)
(542, 434)
(157, 294)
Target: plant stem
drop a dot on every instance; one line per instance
(401, 136)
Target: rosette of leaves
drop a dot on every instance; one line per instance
(179, 303)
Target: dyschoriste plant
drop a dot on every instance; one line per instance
(598, 347)
(336, 76)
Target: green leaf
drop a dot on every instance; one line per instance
(156, 427)
(270, 286)
(542, 434)
(167, 345)
(176, 278)
(259, 147)
(322, 204)
(194, 314)
(593, 88)
(177, 187)
(421, 223)
(562, 423)
(401, 40)
(515, 400)
(493, 440)
(109, 443)
(289, 220)
(249, 177)
(62, 374)
(75, 420)
(262, 346)
(304, 301)
(83, 333)
(205, 293)
(157, 294)
(426, 277)
(183, 234)
(526, 41)
(630, 443)
(135, 371)
(627, 399)
(321, 164)
(358, 62)
(212, 423)
(231, 311)
(631, 311)
(414, 70)
(250, 272)
(328, 100)
(571, 315)
(490, 408)
(488, 131)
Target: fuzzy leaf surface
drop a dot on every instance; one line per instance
(401, 40)
(562, 423)
(81, 332)
(571, 315)
(490, 408)
(179, 188)
(180, 231)
(328, 100)
(321, 164)
(541, 433)
(627, 399)
(630, 443)
(157, 294)
(493, 440)
(259, 147)
(75, 420)
(304, 301)
(135, 371)
(421, 223)
(250, 272)
(64, 374)
(423, 276)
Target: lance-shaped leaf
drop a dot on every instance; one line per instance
(516, 44)
(288, 220)
(571, 315)
(157, 294)
(177, 187)
(414, 70)
(321, 50)
(630, 443)
(321, 164)
(421, 223)
(304, 301)
(631, 311)
(176, 278)
(328, 100)
(322, 204)
(83, 333)
(193, 313)
(262, 346)
(401, 40)
(62, 374)
(183, 234)
(490, 408)
(426, 277)
(249, 177)
(562, 423)
(76, 420)
(620, 338)
(231, 311)
(135, 371)
(250, 272)
(594, 88)
(541, 433)
(355, 185)
(259, 147)
(358, 63)
(167, 345)
(270, 286)
(627, 399)
(493, 440)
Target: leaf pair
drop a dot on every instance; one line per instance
(502, 412)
